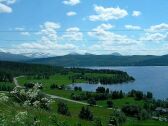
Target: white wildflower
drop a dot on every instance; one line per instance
(3, 97)
(21, 117)
(36, 104)
(27, 103)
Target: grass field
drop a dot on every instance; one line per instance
(102, 113)
(58, 79)
(10, 110)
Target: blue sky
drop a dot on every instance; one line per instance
(59, 27)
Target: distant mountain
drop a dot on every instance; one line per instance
(12, 57)
(158, 61)
(75, 59)
(74, 53)
(103, 60)
(37, 55)
(88, 54)
(116, 54)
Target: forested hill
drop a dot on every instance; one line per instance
(17, 69)
(104, 60)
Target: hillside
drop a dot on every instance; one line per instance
(12, 57)
(101, 60)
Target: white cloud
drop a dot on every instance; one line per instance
(19, 29)
(5, 9)
(105, 14)
(73, 34)
(8, 1)
(50, 43)
(4, 6)
(132, 27)
(48, 30)
(157, 28)
(107, 40)
(22, 31)
(71, 13)
(71, 2)
(105, 26)
(155, 37)
(25, 33)
(136, 13)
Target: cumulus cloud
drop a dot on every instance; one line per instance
(155, 37)
(157, 28)
(8, 1)
(132, 27)
(105, 27)
(4, 6)
(22, 31)
(105, 14)
(71, 2)
(5, 9)
(73, 34)
(71, 13)
(107, 40)
(50, 43)
(136, 13)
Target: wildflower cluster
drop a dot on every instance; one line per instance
(31, 97)
(3, 97)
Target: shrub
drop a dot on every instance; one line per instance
(143, 115)
(100, 90)
(31, 97)
(109, 104)
(86, 114)
(117, 118)
(131, 110)
(92, 101)
(97, 122)
(53, 86)
(149, 95)
(77, 88)
(29, 85)
(63, 109)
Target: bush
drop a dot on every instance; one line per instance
(139, 95)
(117, 118)
(109, 104)
(31, 97)
(97, 122)
(149, 95)
(143, 115)
(100, 90)
(63, 109)
(131, 110)
(77, 88)
(29, 85)
(92, 101)
(54, 86)
(86, 114)
(117, 94)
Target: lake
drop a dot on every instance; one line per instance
(148, 78)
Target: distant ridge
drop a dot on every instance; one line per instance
(12, 57)
(87, 59)
(116, 54)
(103, 60)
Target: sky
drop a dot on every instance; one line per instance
(60, 27)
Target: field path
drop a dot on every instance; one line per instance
(16, 82)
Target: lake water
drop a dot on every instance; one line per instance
(153, 79)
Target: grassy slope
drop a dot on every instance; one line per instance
(102, 113)
(10, 110)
